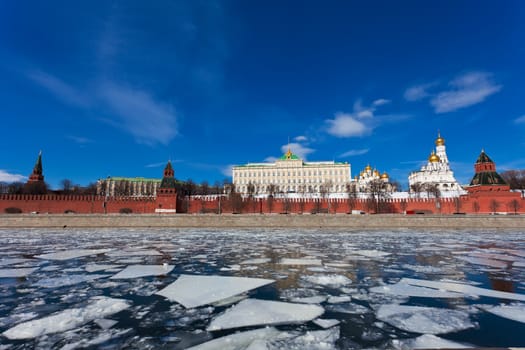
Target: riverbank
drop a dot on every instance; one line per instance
(257, 220)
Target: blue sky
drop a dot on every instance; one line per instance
(116, 88)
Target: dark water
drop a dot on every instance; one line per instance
(367, 258)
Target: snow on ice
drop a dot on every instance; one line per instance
(192, 291)
(420, 319)
(72, 254)
(427, 341)
(254, 312)
(334, 281)
(239, 340)
(306, 261)
(405, 289)
(16, 273)
(515, 312)
(67, 319)
(136, 271)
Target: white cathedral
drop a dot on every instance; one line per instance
(436, 172)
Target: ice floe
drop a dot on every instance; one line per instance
(483, 261)
(255, 261)
(71, 254)
(427, 341)
(16, 273)
(515, 312)
(125, 253)
(326, 323)
(372, 253)
(136, 271)
(192, 291)
(105, 323)
(348, 308)
(68, 280)
(328, 280)
(239, 340)
(100, 267)
(306, 261)
(13, 261)
(254, 312)
(405, 289)
(463, 288)
(67, 319)
(420, 319)
(318, 299)
(311, 340)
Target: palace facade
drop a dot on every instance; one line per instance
(128, 186)
(290, 174)
(437, 173)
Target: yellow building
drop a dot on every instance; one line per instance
(290, 174)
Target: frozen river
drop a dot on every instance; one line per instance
(261, 289)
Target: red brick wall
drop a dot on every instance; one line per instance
(478, 202)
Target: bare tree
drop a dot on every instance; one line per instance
(416, 188)
(515, 179)
(475, 207)
(302, 193)
(15, 188)
(67, 185)
(378, 195)
(432, 190)
(271, 190)
(515, 205)
(351, 191)
(494, 205)
(204, 188)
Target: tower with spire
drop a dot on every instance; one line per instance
(436, 172)
(35, 184)
(167, 192)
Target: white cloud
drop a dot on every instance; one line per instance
(270, 159)
(418, 92)
(297, 148)
(300, 138)
(7, 177)
(227, 170)
(380, 102)
(346, 125)
(149, 121)
(520, 120)
(59, 88)
(466, 90)
(354, 152)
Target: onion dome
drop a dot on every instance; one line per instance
(384, 176)
(440, 141)
(368, 168)
(376, 172)
(433, 158)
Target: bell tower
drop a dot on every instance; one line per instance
(167, 192)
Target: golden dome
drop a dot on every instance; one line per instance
(433, 158)
(368, 168)
(376, 172)
(384, 175)
(440, 141)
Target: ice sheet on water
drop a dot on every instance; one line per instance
(16, 273)
(334, 281)
(348, 308)
(67, 319)
(136, 271)
(100, 267)
(427, 341)
(372, 253)
(520, 263)
(311, 340)
(238, 340)
(483, 261)
(425, 320)
(305, 261)
(326, 323)
(339, 299)
(105, 323)
(138, 252)
(318, 299)
(463, 288)
(68, 280)
(254, 312)
(255, 261)
(515, 312)
(13, 261)
(71, 254)
(414, 291)
(192, 291)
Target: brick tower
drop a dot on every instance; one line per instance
(36, 184)
(167, 192)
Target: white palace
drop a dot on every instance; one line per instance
(437, 172)
(290, 174)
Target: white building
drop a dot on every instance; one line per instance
(128, 186)
(436, 172)
(290, 174)
(367, 175)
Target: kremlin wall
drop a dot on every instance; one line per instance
(487, 193)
